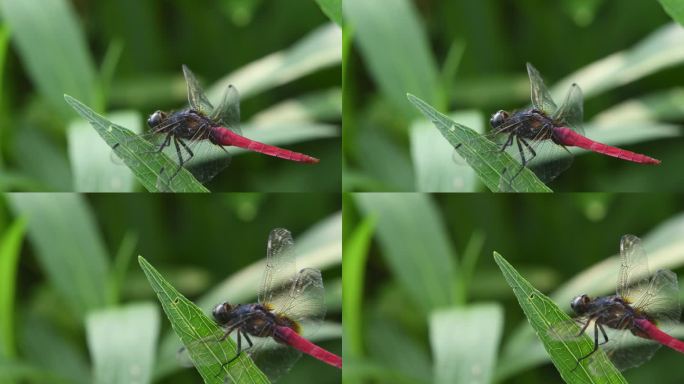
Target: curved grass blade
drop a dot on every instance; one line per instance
(542, 314)
(192, 325)
(111, 333)
(138, 154)
(473, 147)
(469, 355)
(10, 248)
(332, 9)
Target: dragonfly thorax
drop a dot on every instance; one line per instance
(254, 319)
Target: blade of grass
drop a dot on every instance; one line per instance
(191, 325)
(395, 49)
(542, 314)
(320, 247)
(112, 332)
(91, 159)
(315, 106)
(354, 267)
(68, 246)
(320, 49)
(469, 355)
(332, 9)
(50, 29)
(414, 244)
(659, 50)
(122, 261)
(473, 148)
(667, 104)
(675, 9)
(665, 246)
(433, 157)
(10, 248)
(138, 154)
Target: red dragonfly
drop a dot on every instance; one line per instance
(287, 300)
(200, 132)
(630, 325)
(538, 136)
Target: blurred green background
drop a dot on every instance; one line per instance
(65, 258)
(411, 258)
(123, 58)
(467, 59)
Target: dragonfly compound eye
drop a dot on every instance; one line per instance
(498, 118)
(221, 313)
(579, 303)
(156, 118)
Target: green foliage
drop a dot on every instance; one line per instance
(482, 68)
(563, 244)
(543, 313)
(112, 332)
(675, 9)
(139, 72)
(332, 9)
(192, 325)
(139, 155)
(76, 300)
(481, 154)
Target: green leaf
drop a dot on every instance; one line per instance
(665, 246)
(427, 279)
(192, 325)
(53, 49)
(112, 332)
(10, 248)
(469, 355)
(674, 8)
(542, 314)
(320, 49)
(138, 154)
(395, 49)
(320, 247)
(481, 154)
(91, 158)
(354, 267)
(68, 246)
(659, 50)
(434, 158)
(332, 9)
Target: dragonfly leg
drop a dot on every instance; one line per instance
(239, 349)
(522, 157)
(249, 341)
(508, 143)
(529, 148)
(596, 344)
(180, 157)
(605, 336)
(584, 328)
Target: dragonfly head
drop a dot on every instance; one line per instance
(579, 304)
(498, 118)
(223, 313)
(156, 118)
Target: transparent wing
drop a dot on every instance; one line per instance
(541, 98)
(304, 300)
(196, 97)
(626, 350)
(633, 277)
(660, 299)
(280, 266)
(227, 113)
(570, 113)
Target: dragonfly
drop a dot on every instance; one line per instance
(631, 325)
(269, 331)
(538, 136)
(195, 137)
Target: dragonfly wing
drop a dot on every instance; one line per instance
(304, 300)
(273, 358)
(570, 113)
(196, 97)
(228, 111)
(541, 98)
(660, 299)
(633, 277)
(626, 350)
(280, 266)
